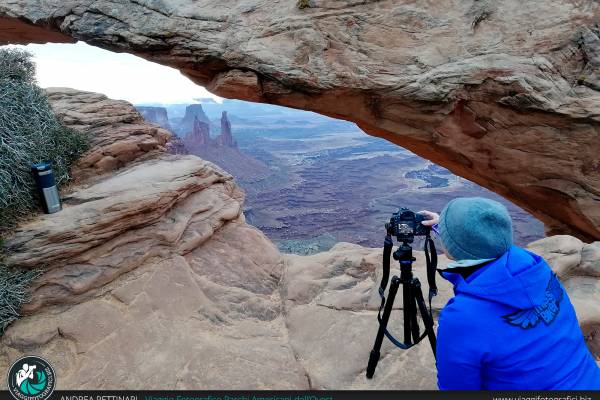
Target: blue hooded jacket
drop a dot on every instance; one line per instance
(511, 325)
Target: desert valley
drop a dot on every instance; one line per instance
(312, 181)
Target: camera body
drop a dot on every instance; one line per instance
(406, 224)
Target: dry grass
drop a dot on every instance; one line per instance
(29, 133)
(14, 283)
(303, 4)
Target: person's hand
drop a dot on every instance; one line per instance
(432, 218)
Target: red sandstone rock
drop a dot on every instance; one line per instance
(199, 137)
(118, 133)
(225, 138)
(193, 112)
(176, 146)
(504, 94)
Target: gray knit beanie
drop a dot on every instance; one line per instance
(474, 228)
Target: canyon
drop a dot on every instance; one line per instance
(503, 94)
(312, 181)
(151, 267)
(192, 135)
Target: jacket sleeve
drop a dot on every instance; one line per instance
(458, 355)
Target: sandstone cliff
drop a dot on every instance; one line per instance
(199, 137)
(225, 138)
(151, 268)
(118, 133)
(505, 93)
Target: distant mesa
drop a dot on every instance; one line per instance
(156, 115)
(192, 112)
(199, 137)
(192, 136)
(221, 150)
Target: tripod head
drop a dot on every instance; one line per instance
(403, 254)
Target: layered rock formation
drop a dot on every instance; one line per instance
(146, 268)
(118, 133)
(502, 93)
(154, 268)
(100, 233)
(199, 137)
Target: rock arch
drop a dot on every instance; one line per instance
(504, 94)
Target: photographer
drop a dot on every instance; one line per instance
(510, 324)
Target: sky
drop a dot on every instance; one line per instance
(118, 75)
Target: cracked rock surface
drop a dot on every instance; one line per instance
(505, 94)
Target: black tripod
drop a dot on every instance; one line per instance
(412, 296)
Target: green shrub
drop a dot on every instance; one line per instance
(29, 133)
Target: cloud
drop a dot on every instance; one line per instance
(117, 75)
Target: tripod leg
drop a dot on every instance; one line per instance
(427, 320)
(407, 302)
(374, 357)
(414, 325)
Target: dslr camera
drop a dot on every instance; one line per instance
(406, 224)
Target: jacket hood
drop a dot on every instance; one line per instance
(518, 279)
